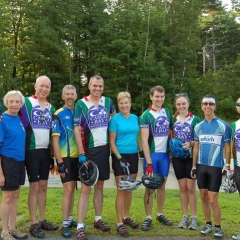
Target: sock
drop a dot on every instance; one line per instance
(97, 218)
(65, 223)
(219, 226)
(119, 224)
(80, 225)
(210, 223)
(70, 218)
(125, 217)
(149, 216)
(159, 214)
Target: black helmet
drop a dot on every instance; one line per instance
(128, 184)
(177, 149)
(89, 175)
(154, 182)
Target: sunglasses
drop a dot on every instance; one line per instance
(208, 103)
(181, 95)
(238, 104)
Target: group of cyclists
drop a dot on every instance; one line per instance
(33, 134)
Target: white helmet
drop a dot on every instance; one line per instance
(128, 184)
(229, 185)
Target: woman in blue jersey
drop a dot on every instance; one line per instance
(184, 123)
(123, 131)
(12, 167)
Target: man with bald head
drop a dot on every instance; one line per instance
(36, 116)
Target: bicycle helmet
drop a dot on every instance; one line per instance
(177, 149)
(89, 175)
(154, 182)
(128, 184)
(228, 185)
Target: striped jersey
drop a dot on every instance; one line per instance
(62, 126)
(184, 130)
(37, 123)
(93, 120)
(236, 138)
(211, 137)
(158, 124)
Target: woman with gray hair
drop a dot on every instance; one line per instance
(12, 167)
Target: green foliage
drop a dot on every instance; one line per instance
(134, 45)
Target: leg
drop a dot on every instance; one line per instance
(161, 197)
(13, 209)
(41, 199)
(213, 200)
(205, 204)
(33, 200)
(83, 203)
(68, 199)
(5, 210)
(183, 193)
(192, 196)
(119, 202)
(98, 197)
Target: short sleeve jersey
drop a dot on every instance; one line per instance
(12, 137)
(184, 131)
(62, 126)
(236, 138)
(158, 124)
(126, 130)
(93, 120)
(37, 123)
(211, 137)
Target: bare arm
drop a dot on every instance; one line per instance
(2, 178)
(234, 154)
(78, 138)
(195, 156)
(112, 139)
(145, 146)
(227, 152)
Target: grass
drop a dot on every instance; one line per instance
(229, 204)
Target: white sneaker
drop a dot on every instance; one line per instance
(194, 224)
(184, 222)
(207, 229)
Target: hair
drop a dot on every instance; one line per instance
(96, 77)
(175, 99)
(158, 89)
(11, 93)
(122, 95)
(69, 87)
(40, 77)
(209, 96)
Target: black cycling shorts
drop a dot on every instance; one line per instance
(37, 164)
(72, 166)
(131, 158)
(209, 177)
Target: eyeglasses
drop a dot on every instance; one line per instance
(208, 103)
(181, 95)
(238, 104)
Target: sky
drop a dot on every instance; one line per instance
(227, 2)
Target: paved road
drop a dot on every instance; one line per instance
(98, 237)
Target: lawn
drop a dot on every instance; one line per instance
(229, 204)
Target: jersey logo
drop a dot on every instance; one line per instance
(41, 119)
(98, 117)
(161, 126)
(210, 139)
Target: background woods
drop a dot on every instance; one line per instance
(185, 46)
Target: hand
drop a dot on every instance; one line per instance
(187, 145)
(123, 162)
(193, 172)
(51, 163)
(82, 158)
(61, 168)
(141, 154)
(227, 172)
(149, 169)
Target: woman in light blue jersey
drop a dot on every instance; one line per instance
(123, 131)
